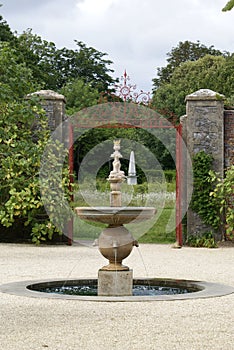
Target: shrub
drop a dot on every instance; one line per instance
(23, 136)
(223, 195)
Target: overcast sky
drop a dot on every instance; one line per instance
(136, 34)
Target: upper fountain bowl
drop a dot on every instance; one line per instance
(115, 215)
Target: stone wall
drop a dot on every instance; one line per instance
(228, 138)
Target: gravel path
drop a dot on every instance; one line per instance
(35, 324)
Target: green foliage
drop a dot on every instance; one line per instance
(79, 95)
(55, 185)
(158, 232)
(23, 136)
(16, 79)
(201, 202)
(192, 66)
(170, 176)
(40, 56)
(207, 240)
(229, 6)
(223, 195)
(142, 190)
(55, 68)
(185, 51)
(52, 68)
(213, 195)
(87, 141)
(210, 72)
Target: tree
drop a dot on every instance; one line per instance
(185, 51)
(210, 72)
(151, 140)
(79, 95)
(90, 65)
(229, 6)
(16, 80)
(38, 55)
(56, 67)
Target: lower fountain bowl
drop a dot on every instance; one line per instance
(141, 287)
(189, 289)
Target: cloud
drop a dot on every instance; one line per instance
(27, 6)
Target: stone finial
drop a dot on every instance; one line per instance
(205, 94)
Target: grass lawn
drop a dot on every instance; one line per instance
(157, 233)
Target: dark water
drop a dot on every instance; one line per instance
(138, 290)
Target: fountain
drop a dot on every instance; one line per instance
(115, 242)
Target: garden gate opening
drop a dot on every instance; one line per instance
(127, 115)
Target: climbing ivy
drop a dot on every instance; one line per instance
(202, 202)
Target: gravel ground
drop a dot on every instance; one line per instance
(34, 324)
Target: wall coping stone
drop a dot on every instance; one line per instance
(204, 94)
(48, 95)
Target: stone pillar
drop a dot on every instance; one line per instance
(205, 132)
(54, 106)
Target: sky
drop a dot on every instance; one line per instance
(136, 34)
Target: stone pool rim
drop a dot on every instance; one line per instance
(204, 290)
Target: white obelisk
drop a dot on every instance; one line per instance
(132, 178)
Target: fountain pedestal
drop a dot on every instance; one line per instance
(115, 283)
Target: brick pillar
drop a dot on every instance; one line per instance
(205, 132)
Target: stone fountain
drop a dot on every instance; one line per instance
(115, 242)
